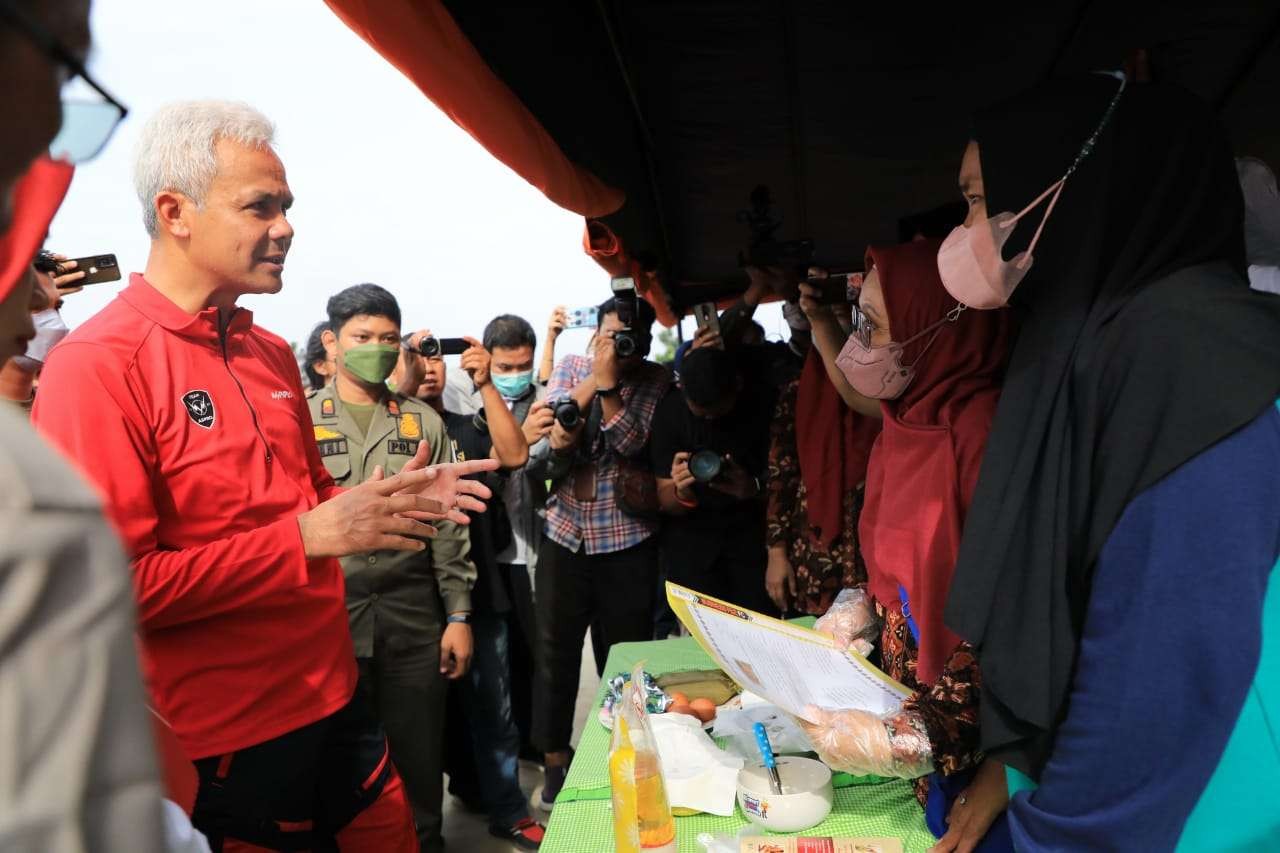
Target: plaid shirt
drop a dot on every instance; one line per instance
(598, 525)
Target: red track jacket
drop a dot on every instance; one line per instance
(204, 454)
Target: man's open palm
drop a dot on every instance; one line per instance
(447, 484)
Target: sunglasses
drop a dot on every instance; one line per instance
(89, 119)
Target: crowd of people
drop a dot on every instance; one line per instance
(1029, 465)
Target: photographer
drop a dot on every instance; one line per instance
(55, 277)
(710, 451)
(483, 748)
(598, 562)
(511, 343)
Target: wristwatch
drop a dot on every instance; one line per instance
(458, 619)
(607, 392)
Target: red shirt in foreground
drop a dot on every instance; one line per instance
(203, 451)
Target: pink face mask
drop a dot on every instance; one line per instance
(878, 372)
(971, 261)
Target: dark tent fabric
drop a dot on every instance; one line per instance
(854, 115)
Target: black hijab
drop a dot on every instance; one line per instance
(1141, 345)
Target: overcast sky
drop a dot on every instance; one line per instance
(388, 189)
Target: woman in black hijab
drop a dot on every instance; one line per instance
(1117, 554)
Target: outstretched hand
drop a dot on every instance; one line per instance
(447, 485)
(379, 514)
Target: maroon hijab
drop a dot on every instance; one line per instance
(833, 443)
(924, 466)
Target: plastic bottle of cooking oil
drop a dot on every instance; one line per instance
(642, 821)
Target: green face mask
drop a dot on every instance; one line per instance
(371, 363)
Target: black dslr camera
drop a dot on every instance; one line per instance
(764, 249)
(628, 340)
(568, 414)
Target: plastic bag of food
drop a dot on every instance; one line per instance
(642, 818)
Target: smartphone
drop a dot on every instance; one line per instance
(582, 318)
(453, 346)
(706, 316)
(97, 269)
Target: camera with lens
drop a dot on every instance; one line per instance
(628, 340)
(568, 414)
(430, 346)
(705, 465)
(764, 249)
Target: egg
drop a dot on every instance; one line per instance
(703, 709)
(678, 698)
(682, 709)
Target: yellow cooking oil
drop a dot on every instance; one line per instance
(642, 821)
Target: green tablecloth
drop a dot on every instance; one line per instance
(583, 821)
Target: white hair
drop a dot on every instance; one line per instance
(176, 149)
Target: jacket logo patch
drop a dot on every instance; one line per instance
(332, 446)
(400, 446)
(393, 408)
(409, 426)
(200, 407)
(323, 432)
(327, 409)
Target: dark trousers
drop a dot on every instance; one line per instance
(407, 692)
(522, 633)
(325, 786)
(726, 564)
(574, 590)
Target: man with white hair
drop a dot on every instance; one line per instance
(191, 421)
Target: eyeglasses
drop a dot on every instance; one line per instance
(89, 118)
(862, 327)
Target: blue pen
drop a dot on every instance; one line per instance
(766, 752)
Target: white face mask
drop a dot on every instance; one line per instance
(50, 330)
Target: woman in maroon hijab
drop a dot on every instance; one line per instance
(937, 370)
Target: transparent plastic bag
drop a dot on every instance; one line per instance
(642, 818)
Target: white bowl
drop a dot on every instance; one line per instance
(805, 801)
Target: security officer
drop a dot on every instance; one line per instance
(409, 610)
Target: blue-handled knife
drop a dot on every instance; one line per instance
(766, 752)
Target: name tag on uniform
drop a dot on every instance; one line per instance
(402, 447)
(332, 446)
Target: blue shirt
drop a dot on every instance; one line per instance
(1172, 737)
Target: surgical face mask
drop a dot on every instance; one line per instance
(971, 261)
(371, 362)
(512, 385)
(50, 330)
(877, 371)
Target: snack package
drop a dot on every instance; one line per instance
(642, 821)
(748, 840)
(757, 844)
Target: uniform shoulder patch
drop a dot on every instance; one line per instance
(409, 425)
(393, 408)
(328, 409)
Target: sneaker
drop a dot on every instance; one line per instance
(552, 782)
(527, 834)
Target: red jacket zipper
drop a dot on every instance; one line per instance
(222, 336)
